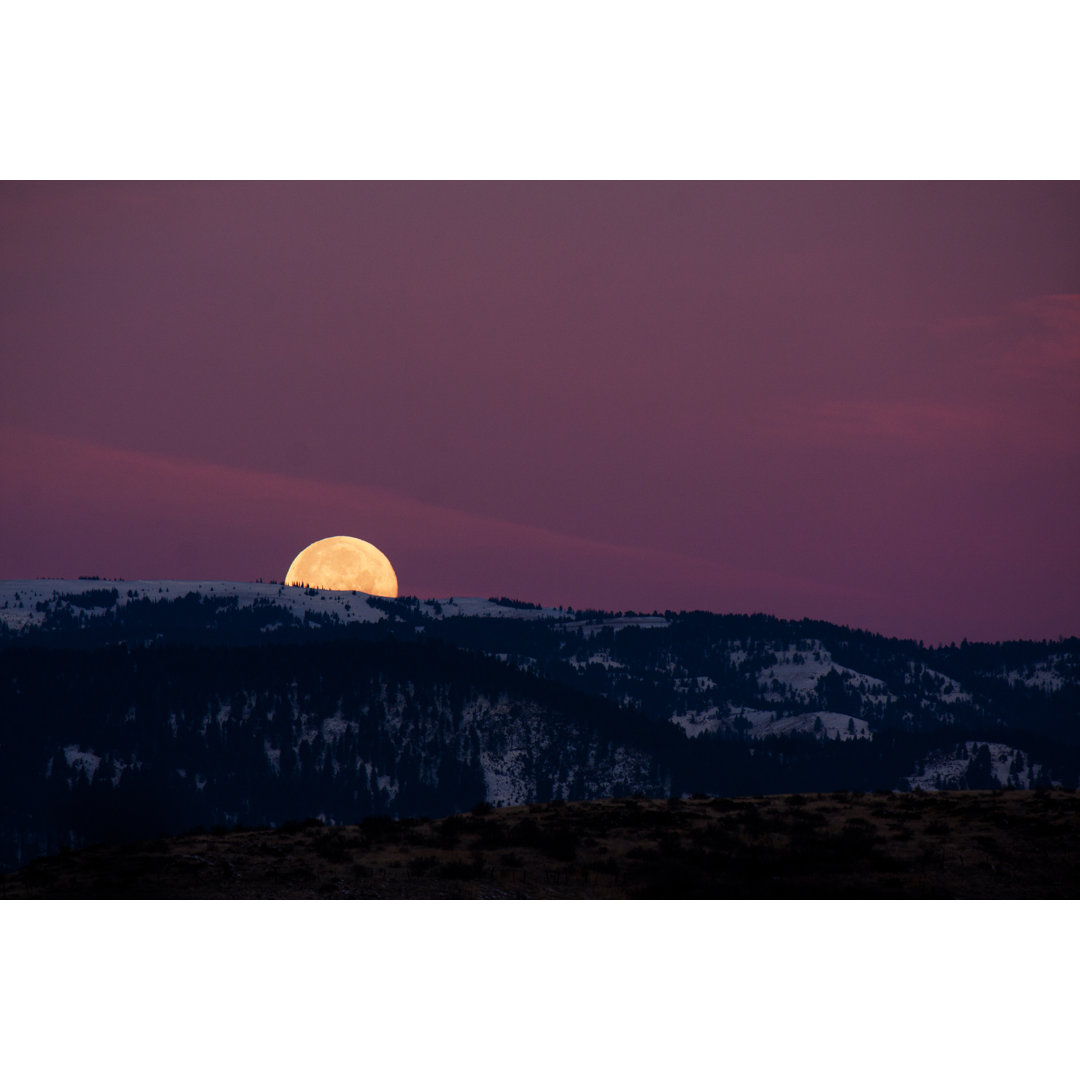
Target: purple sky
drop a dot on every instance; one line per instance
(857, 402)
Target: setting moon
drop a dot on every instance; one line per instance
(344, 562)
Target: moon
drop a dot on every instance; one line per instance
(344, 562)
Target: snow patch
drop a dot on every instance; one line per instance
(698, 723)
(476, 605)
(603, 658)
(1039, 677)
(621, 622)
(761, 723)
(335, 726)
(947, 769)
(86, 760)
(825, 725)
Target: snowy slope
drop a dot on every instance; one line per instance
(19, 599)
(760, 723)
(798, 671)
(947, 769)
(826, 725)
(590, 628)
(1040, 676)
(488, 609)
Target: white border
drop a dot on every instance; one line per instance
(583, 89)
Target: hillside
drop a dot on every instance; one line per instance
(132, 709)
(973, 845)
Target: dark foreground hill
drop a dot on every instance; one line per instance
(964, 845)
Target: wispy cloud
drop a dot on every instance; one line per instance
(254, 522)
(1012, 378)
(1037, 336)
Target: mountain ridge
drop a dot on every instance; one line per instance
(161, 706)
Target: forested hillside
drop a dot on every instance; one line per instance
(126, 712)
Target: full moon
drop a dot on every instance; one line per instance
(343, 562)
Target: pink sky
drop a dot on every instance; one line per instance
(856, 402)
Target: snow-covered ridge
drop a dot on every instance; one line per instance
(491, 609)
(19, 600)
(618, 622)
